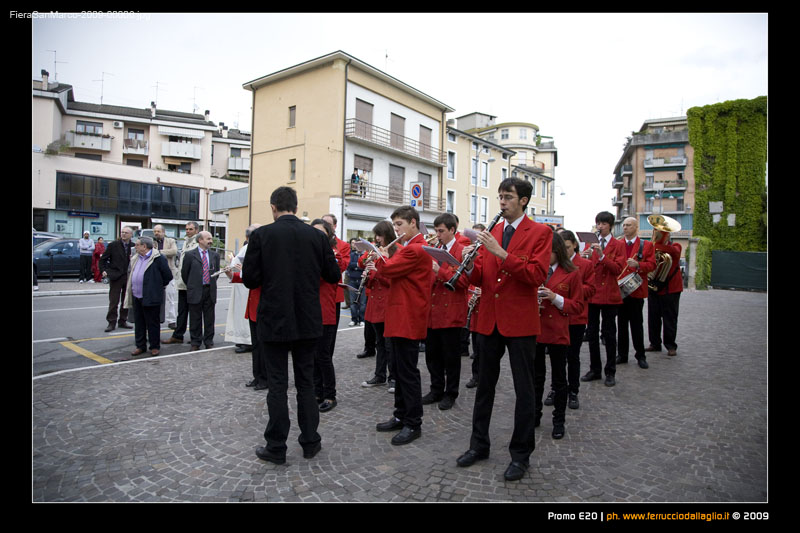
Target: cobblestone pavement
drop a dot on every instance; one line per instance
(183, 428)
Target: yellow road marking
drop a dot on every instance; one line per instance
(86, 353)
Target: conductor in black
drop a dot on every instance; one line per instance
(287, 259)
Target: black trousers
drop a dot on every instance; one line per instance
(201, 320)
(116, 300)
(182, 319)
(558, 364)
(475, 354)
(663, 311)
(630, 317)
(276, 355)
(370, 340)
(408, 388)
(576, 332)
(443, 359)
(324, 373)
(521, 351)
(86, 268)
(259, 362)
(146, 325)
(608, 313)
(383, 353)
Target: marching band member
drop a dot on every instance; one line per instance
(406, 321)
(641, 259)
(561, 297)
(377, 289)
(608, 260)
(577, 322)
(324, 372)
(448, 316)
(509, 275)
(663, 303)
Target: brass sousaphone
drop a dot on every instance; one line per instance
(657, 279)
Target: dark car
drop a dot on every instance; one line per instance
(41, 236)
(63, 254)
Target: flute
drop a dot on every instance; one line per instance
(451, 284)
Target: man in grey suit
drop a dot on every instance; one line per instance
(197, 271)
(287, 259)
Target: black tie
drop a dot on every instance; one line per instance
(549, 273)
(507, 233)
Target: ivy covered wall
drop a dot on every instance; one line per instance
(730, 157)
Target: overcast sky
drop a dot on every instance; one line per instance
(587, 80)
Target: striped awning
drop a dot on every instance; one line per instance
(181, 132)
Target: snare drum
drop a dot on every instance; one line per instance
(629, 284)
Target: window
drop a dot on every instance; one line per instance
(292, 169)
(474, 211)
(503, 173)
(484, 208)
(451, 201)
(533, 190)
(94, 157)
(451, 137)
(648, 180)
(523, 133)
(236, 152)
(680, 175)
(89, 127)
(544, 189)
(292, 115)
(474, 174)
(396, 182)
(522, 158)
(134, 162)
(136, 135)
(484, 173)
(451, 165)
(504, 134)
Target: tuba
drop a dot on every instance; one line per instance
(657, 279)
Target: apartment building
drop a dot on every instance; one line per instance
(655, 174)
(318, 122)
(475, 168)
(535, 156)
(97, 167)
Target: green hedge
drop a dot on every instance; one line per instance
(702, 275)
(730, 156)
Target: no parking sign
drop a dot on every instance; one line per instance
(416, 195)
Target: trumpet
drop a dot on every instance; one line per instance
(451, 283)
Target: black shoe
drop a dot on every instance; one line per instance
(311, 451)
(621, 361)
(470, 457)
(430, 398)
(243, 349)
(251, 383)
(406, 435)
(389, 425)
(643, 363)
(327, 405)
(572, 400)
(365, 354)
(590, 376)
(558, 431)
(610, 381)
(264, 455)
(652, 348)
(550, 398)
(125, 325)
(111, 327)
(515, 471)
(260, 386)
(374, 382)
(472, 383)
(446, 403)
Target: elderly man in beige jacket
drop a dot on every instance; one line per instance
(169, 249)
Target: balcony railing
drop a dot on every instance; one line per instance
(375, 192)
(239, 163)
(674, 161)
(364, 131)
(668, 185)
(179, 149)
(88, 140)
(134, 147)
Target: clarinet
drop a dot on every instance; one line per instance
(451, 284)
(364, 277)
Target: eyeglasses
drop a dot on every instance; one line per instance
(506, 197)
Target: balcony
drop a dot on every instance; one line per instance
(616, 182)
(675, 185)
(385, 195)
(135, 147)
(665, 162)
(88, 141)
(369, 134)
(241, 164)
(181, 150)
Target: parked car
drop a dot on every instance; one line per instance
(63, 254)
(41, 236)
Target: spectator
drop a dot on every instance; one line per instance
(197, 269)
(149, 275)
(86, 246)
(169, 249)
(114, 263)
(354, 273)
(99, 248)
(189, 243)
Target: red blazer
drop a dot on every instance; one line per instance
(587, 280)
(342, 252)
(407, 305)
(647, 264)
(376, 292)
(675, 283)
(555, 321)
(449, 308)
(606, 273)
(252, 298)
(509, 288)
(463, 239)
(327, 301)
